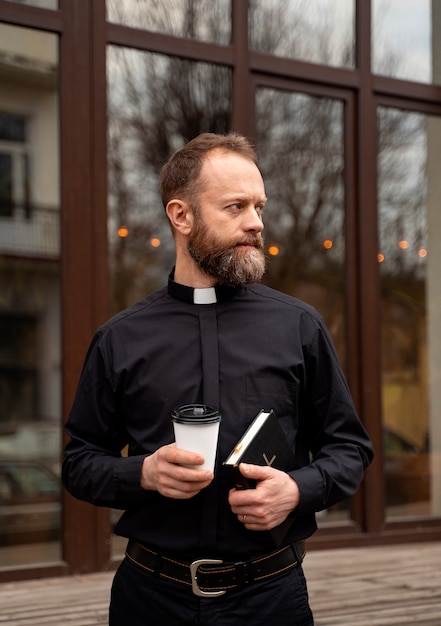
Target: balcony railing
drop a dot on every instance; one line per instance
(31, 233)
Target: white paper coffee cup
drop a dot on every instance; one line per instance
(196, 429)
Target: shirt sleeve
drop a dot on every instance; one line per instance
(332, 434)
(94, 468)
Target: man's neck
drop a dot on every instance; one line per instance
(190, 275)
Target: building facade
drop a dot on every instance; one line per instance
(343, 101)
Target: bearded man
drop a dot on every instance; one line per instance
(212, 336)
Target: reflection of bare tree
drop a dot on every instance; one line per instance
(320, 32)
(194, 19)
(301, 148)
(402, 192)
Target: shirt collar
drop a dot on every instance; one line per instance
(209, 295)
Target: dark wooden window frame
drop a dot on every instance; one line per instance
(84, 37)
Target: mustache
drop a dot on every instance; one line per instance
(252, 240)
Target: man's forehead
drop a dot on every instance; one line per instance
(226, 164)
(219, 155)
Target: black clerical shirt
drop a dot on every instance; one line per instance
(243, 350)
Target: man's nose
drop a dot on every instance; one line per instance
(253, 220)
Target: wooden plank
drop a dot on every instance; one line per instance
(381, 586)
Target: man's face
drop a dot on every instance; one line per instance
(226, 240)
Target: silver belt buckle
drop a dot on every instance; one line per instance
(194, 578)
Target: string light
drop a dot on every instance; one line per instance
(273, 250)
(327, 244)
(123, 231)
(155, 242)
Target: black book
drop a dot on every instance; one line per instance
(263, 443)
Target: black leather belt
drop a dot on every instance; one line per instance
(212, 577)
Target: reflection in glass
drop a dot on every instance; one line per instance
(409, 198)
(300, 144)
(321, 31)
(406, 39)
(301, 155)
(30, 391)
(193, 19)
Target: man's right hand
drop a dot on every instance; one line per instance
(166, 471)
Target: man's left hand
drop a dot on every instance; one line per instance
(276, 495)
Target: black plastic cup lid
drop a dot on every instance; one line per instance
(196, 414)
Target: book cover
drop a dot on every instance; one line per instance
(263, 443)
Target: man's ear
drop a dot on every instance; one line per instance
(180, 216)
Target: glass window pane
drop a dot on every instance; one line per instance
(193, 19)
(406, 39)
(156, 104)
(6, 203)
(409, 199)
(30, 361)
(321, 31)
(12, 127)
(301, 156)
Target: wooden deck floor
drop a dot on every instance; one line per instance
(380, 586)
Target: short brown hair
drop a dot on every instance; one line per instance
(180, 173)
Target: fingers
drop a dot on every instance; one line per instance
(255, 522)
(176, 456)
(276, 495)
(256, 472)
(181, 490)
(259, 520)
(174, 473)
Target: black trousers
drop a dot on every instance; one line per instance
(141, 599)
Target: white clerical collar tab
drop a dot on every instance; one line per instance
(205, 296)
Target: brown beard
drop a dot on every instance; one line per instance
(223, 260)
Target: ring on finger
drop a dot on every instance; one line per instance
(244, 518)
